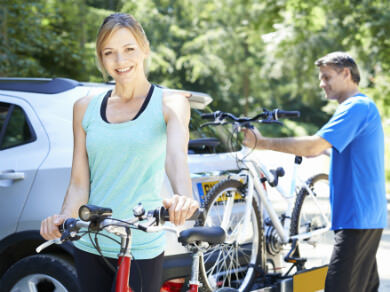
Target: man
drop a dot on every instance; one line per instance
(357, 182)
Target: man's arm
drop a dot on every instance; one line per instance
(301, 146)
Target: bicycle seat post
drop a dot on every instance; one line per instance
(194, 282)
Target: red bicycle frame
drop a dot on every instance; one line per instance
(123, 274)
(72, 226)
(124, 264)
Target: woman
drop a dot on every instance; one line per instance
(122, 140)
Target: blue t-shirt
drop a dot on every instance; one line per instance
(357, 174)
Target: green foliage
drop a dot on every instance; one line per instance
(38, 40)
(247, 54)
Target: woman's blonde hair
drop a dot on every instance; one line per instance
(111, 24)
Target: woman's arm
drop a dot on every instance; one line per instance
(78, 190)
(176, 110)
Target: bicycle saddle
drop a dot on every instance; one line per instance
(212, 235)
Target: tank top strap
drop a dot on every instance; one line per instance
(155, 106)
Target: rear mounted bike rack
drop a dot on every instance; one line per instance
(293, 259)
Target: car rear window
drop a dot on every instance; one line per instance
(208, 139)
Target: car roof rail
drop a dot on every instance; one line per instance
(38, 85)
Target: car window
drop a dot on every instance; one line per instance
(3, 114)
(15, 128)
(208, 139)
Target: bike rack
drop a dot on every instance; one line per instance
(310, 280)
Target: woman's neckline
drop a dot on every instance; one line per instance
(103, 107)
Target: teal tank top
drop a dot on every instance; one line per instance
(126, 163)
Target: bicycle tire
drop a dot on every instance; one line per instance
(317, 249)
(234, 263)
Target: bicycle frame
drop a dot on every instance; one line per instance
(194, 282)
(123, 230)
(124, 258)
(124, 265)
(252, 171)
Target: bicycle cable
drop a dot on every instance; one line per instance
(96, 245)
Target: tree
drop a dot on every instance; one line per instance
(42, 39)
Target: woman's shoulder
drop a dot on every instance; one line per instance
(175, 97)
(81, 105)
(176, 104)
(84, 105)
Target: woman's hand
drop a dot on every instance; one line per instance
(180, 208)
(49, 226)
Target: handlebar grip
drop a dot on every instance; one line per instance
(68, 225)
(68, 229)
(61, 228)
(287, 114)
(196, 214)
(164, 214)
(209, 116)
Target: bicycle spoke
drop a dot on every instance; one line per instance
(227, 265)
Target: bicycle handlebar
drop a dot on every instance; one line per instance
(287, 114)
(210, 116)
(164, 214)
(219, 117)
(98, 218)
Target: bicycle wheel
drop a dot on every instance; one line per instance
(233, 263)
(306, 217)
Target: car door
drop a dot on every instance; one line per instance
(23, 147)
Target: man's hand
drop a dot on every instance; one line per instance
(252, 138)
(49, 226)
(180, 208)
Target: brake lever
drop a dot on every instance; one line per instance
(47, 244)
(145, 226)
(210, 124)
(66, 235)
(271, 122)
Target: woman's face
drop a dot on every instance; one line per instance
(122, 56)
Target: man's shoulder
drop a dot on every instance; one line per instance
(356, 105)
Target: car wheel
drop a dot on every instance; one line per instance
(41, 273)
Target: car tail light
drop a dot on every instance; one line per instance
(173, 285)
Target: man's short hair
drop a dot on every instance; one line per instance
(340, 60)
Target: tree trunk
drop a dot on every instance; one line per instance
(246, 82)
(4, 27)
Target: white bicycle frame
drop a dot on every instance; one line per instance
(251, 172)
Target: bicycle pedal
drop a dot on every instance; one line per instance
(297, 261)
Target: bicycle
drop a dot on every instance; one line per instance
(237, 204)
(95, 219)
